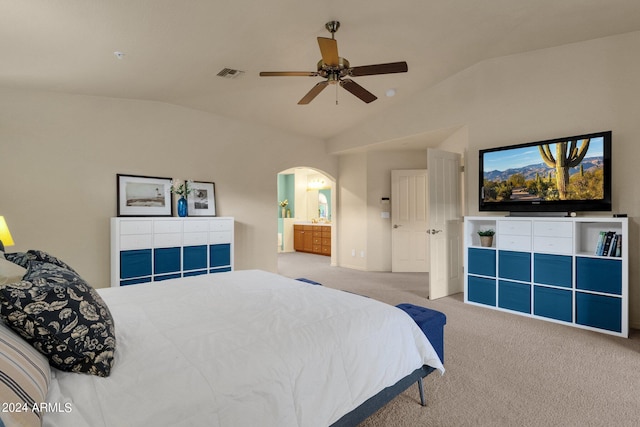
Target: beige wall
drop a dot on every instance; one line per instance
(568, 90)
(61, 153)
(352, 207)
(379, 167)
(373, 169)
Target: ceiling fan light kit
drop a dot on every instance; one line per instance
(336, 70)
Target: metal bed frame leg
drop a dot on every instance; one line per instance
(421, 390)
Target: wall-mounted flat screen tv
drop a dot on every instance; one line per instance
(568, 174)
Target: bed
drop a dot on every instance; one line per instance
(238, 349)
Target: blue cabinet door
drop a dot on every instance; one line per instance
(166, 260)
(195, 257)
(219, 256)
(553, 270)
(553, 303)
(514, 296)
(599, 311)
(514, 265)
(482, 261)
(135, 263)
(599, 275)
(481, 290)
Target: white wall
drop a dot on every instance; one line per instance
(568, 90)
(61, 153)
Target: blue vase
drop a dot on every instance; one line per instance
(182, 206)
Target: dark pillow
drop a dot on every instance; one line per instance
(63, 317)
(20, 258)
(42, 256)
(23, 259)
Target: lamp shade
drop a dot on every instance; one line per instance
(5, 235)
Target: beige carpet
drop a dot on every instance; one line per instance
(502, 369)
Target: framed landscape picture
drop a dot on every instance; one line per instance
(202, 200)
(144, 196)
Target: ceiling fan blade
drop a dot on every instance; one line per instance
(329, 51)
(358, 90)
(368, 70)
(288, 73)
(313, 93)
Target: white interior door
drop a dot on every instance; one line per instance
(445, 223)
(409, 246)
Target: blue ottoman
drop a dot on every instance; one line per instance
(432, 324)
(311, 282)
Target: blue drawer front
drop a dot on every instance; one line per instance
(514, 296)
(166, 260)
(599, 311)
(552, 303)
(194, 273)
(195, 257)
(135, 281)
(552, 270)
(135, 263)
(514, 265)
(166, 277)
(481, 290)
(220, 270)
(220, 255)
(599, 275)
(482, 261)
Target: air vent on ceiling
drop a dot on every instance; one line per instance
(229, 73)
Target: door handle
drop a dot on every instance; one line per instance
(433, 231)
(396, 225)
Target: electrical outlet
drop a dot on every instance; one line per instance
(353, 252)
(361, 254)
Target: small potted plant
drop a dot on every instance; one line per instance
(486, 237)
(283, 207)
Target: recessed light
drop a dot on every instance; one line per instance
(391, 92)
(118, 54)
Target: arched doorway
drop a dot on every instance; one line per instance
(306, 196)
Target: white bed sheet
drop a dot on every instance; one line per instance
(245, 348)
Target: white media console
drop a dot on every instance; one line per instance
(547, 268)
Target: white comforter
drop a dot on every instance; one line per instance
(247, 348)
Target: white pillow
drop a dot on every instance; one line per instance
(25, 380)
(10, 272)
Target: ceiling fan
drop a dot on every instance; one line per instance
(336, 70)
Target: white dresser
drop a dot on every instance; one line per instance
(146, 249)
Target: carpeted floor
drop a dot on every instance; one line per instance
(502, 369)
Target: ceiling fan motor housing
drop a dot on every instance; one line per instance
(340, 71)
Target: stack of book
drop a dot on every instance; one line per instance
(609, 244)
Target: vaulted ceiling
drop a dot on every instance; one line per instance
(173, 50)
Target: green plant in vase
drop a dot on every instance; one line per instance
(283, 207)
(486, 237)
(182, 189)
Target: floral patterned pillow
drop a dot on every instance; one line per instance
(20, 258)
(63, 317)
(23, 259)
